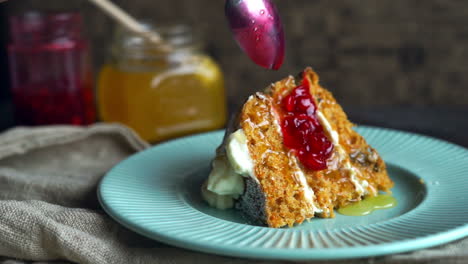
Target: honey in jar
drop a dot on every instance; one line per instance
(161, 93)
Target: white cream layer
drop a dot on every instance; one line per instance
(308, 191)
(238, 154)
(225, 182)
(361, 185)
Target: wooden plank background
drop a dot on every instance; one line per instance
(367, 52)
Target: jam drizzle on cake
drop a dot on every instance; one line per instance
(302, 131)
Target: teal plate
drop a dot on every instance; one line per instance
(156, 193)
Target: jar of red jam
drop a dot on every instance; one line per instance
(51, 73)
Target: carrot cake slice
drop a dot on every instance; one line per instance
(292, 154)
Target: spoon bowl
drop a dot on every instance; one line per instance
(257, 28)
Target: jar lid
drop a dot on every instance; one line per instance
(179, 36)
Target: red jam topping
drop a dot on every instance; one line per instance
(302, 132)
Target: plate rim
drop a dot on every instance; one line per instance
(334, 253)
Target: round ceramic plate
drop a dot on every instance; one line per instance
(156, 193)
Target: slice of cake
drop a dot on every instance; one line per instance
(292, 154)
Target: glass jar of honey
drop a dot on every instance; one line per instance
(161, 94)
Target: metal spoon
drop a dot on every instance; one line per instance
(258, 30)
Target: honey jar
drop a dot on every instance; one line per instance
(161, 93)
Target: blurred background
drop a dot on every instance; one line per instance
(387, 53)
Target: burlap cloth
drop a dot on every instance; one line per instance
(49, 209)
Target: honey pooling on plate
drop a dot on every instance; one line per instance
(368, 205)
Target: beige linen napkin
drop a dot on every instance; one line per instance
(49, 209)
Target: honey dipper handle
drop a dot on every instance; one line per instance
(129, 22)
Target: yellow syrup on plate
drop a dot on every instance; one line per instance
(368, 205)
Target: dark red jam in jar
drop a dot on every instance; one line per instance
(302, 131)
(51, 71)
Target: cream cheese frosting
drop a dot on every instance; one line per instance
(225, 182)
(361, 185)
(238, 154)
(223, 179)
(308, 191)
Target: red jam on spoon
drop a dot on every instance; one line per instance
(302, 132)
